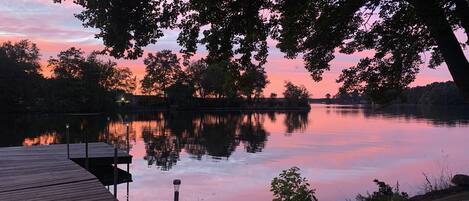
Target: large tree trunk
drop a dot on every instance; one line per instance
(434, 18)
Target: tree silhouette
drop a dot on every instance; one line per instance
(195, 72)
(398, 32)
(82, 83)
(295, 121)
(252, 82)
(291, 186)
(71, 64)
(253, 134)
(20, 78)
(161, 69)
(296, 95)
(219, 80)
(127, 26)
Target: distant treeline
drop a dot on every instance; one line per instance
(86, 83)
(77, 84)
(437, 93)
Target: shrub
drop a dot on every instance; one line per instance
(384, 193)
(290, 186)
(296, 95)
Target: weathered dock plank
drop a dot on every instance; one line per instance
(24, 176)
(98, 153)
(80, 190)
(45, 173)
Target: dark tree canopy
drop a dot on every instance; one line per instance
(71, 64)
(20, 77)
(397, 32)
(82, 83)
(228, 28)
(296, 95)
(78, 83)
(161, 70)
(127, 26)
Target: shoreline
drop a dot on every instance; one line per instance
(147, 110)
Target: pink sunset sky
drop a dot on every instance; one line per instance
(54, 28)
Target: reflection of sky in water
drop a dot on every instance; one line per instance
(340, 151)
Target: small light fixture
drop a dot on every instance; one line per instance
(176, 183)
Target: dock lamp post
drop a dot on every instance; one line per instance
(67, 133)
(176, 183)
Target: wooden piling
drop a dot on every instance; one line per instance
(115, 172)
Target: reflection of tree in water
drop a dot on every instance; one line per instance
(252, 133)
(43, 139)
(49, 129)
(162, 148)
(435, 115)
(296, 121)
(272, 116)
(215, 134)
(219, 139)
(163, 151)
(165, 135)
(116, 134)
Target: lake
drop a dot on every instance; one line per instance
(234, 156)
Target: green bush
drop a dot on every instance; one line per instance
(290, 186)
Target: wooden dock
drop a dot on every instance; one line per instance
(45, 173)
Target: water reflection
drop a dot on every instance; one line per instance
(214, 134)
(296, 121)
(165, 134)
(345, 145)
(435, 115)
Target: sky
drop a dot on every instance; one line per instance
(54, 28)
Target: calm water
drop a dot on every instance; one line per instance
(234, 156)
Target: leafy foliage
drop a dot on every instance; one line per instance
(82, 83)
(72, 65)
(290, 186)
(161, 71)
(252, 82)
(393, 33)
(195, 71)
(20, 77)
(296, 95)
(127, 26)
(397, 32)
(444, 93)
(220, 79)
(230, 23)
(384, 193)
(380, 80)
(78, 83)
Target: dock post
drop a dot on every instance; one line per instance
(128, 137)
(115, 172)
(128, 151)
(67, 135)
(128, 143)
(176, 183)
(86, 152)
